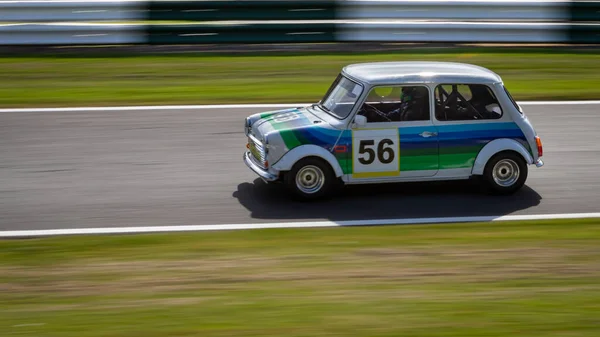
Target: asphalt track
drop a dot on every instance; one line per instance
(159, 167)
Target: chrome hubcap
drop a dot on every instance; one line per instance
(310, 179)
(506, 172)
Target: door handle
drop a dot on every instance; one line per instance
(427, 134)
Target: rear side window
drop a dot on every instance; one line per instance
(463, 102)
(512, 100)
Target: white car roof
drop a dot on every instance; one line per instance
(420, 72)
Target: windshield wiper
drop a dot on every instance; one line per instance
(324, 108)
(318, 105)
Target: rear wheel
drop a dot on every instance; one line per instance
(310, 179)
(505, 173)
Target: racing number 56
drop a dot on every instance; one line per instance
(385, 151)
(375, 152)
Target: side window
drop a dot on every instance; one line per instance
(461, 102)
(396, 104)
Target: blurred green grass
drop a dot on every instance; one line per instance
(296, 78)
(484, 279)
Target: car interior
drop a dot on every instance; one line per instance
(396, 104)
(465, 102)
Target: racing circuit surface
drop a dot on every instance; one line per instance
(76, 169)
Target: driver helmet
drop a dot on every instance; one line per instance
(407, 94)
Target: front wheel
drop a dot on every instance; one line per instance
(310, 179)
(505, 173)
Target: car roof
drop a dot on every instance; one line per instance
(420, 72)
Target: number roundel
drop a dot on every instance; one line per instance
(385, 153)
(284, 117)
(376, 153)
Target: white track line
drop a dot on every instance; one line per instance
(560, 103)
(313, 224)
(234, 106)
(159, 107)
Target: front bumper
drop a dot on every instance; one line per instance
(539, 163)
(264, 174)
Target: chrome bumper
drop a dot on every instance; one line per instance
(265, 175)
(539, 163)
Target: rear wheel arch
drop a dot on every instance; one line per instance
(498, 146)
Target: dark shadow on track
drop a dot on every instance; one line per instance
(385, 201)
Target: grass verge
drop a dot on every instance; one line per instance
(493, 279)
(203, 79)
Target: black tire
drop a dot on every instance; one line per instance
(499, 173)
(311, 169)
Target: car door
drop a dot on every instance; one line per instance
(398, 141)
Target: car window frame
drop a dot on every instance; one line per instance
(512, 100)
(330, 89)
(378, 124)
(490, 88)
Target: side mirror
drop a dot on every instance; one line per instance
(360, 121)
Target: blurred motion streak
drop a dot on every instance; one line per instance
(302, 21)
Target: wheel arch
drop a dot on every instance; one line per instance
(304, 151)
(497, 146)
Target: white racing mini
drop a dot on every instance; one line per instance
(395, 122)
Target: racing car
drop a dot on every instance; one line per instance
(389, 122)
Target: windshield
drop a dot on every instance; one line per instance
(341, 97)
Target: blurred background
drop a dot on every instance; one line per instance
(121, 48)
(303, 21)
(142, 152)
